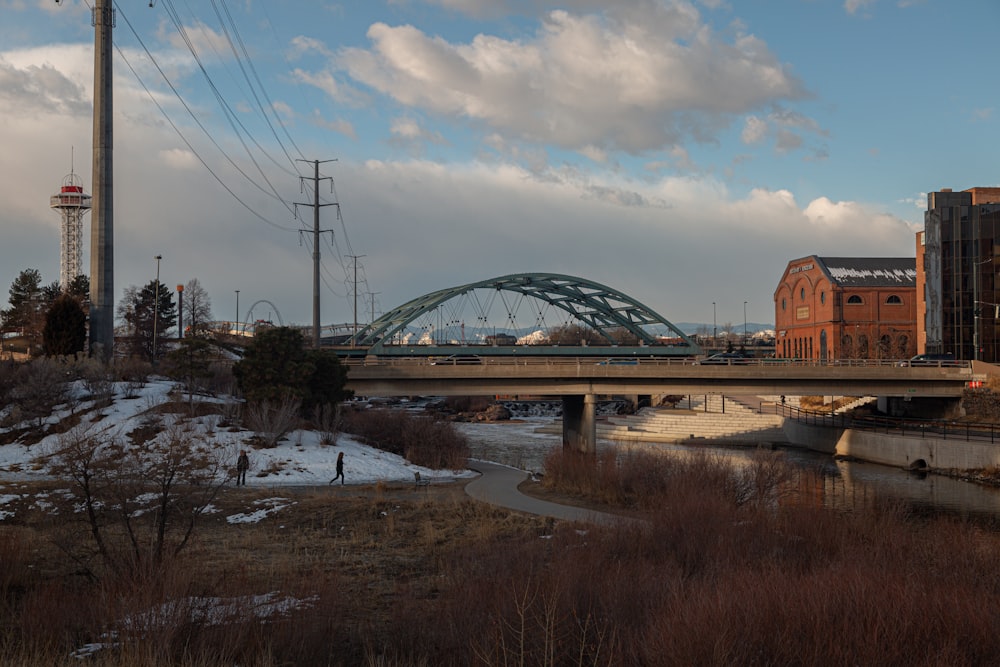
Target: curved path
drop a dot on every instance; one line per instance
(497, 485)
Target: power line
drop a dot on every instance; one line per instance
(181, 134)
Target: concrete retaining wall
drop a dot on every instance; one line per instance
(895, 450)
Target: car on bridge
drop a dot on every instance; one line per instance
(458, 360)
(945, 359)
(619, 361)
(727, 358)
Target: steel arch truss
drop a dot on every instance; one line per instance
(605, 310)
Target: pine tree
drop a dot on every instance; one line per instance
(276, 366)
(65, 330)
(146, 317)
(26, 306)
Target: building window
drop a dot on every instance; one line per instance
(854, 299)
(802, 293)
(822, 297)
(894, 300)
(783, 304)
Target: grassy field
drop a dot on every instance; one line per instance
(729, 567)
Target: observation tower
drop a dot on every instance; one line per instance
(72, 203)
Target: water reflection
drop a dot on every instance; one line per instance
(833, 484)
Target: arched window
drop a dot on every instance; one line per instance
(893, 300)
(854, 299)
(783, 304)
(822, 297)
(802, 293)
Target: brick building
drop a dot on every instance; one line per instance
(958, 259)
(846, 308)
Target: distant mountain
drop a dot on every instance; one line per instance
(691, 328)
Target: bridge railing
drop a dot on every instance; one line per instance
(923, 428)
(534, 360)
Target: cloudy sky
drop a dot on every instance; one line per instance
(679, 151)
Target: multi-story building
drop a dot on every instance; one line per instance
(829, 308)
(959, 252)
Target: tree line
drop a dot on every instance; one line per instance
(52, 321)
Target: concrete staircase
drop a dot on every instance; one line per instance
(737, 425)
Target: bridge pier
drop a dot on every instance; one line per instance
(579, 419)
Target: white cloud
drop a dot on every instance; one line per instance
(854, 6)
(754, 130)
(201, 38)
(636, 78)
(179, 159)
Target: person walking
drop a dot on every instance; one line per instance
(340, 469)
(242, 465)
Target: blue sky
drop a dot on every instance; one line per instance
(680, 152)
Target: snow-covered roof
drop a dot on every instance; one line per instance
(870, 271)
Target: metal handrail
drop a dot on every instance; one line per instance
(892, 425)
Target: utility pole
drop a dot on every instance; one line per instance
(355, 332)
(102, 274)
(156, 305)
(316, 232)
(373, 295)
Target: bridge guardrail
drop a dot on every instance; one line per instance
(892, 425)
(533, 360)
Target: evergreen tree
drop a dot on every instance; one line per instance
(51, 292)
(65, 330)
(326, 384)
(276, 365)
(146, 317)
(191, 361)
(27, 306)
(80, 288)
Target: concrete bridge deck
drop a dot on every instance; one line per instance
(558, 376)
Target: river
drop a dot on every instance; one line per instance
(846, 484)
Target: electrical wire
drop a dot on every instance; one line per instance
(196, 120)
(227, 111)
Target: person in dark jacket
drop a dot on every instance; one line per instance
(340, 469)
(242, 465)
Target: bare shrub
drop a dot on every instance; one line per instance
(762, 481)
(140, 504)
(420, 440)
(134, 374)
(41, 386)
(98, 380)
(328, 421)
(231, 411)
(221, 380)
(8, 380)
(272, 420)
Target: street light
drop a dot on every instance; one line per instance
(236, 324)
(715, 336)
(744, 322)
(156, 304)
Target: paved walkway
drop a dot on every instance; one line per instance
(497, 485)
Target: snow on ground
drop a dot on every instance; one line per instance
(299, 459)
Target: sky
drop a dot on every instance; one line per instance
(680, 152)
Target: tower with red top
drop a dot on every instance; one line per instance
(72, 203)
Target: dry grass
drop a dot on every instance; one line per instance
(399, 576)
(358, 553)
(729, 566)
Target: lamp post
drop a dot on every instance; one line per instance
(236, 324)
(715, 336)
(156, 305)
(744, 322)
